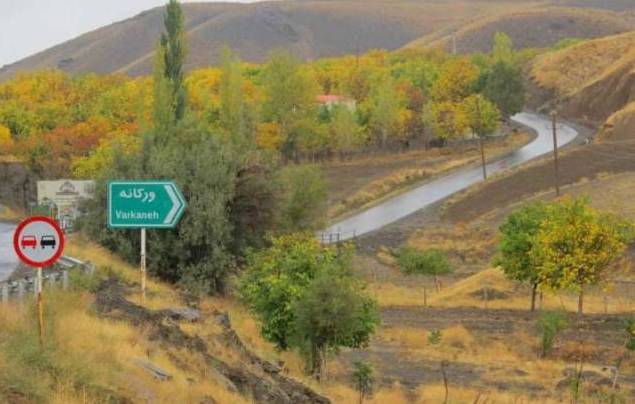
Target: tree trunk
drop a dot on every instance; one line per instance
(533, 297)
(437, 283)
(581, 302)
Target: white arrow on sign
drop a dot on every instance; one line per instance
(176, 204)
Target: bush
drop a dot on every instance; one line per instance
(363, 379)
(434, 337)
(550, 323)
(428, 262)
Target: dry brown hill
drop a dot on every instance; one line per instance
(310, 29)
(595, 81)
(530, 28)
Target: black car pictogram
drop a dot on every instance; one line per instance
(48, 241)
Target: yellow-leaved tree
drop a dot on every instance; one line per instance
(577, 245)
(6, 141)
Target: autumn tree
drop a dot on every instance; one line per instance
(576, 246)
(455, 81)
(483, 119)
(447, 120)
(518, 240)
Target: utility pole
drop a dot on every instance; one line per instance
(454, 42)
(480, 137)
(554, 115)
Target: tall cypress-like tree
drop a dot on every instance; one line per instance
(174, 48)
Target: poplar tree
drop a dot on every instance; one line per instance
(174, 48)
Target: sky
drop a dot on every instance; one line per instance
(30, 26)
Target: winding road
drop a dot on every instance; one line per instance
(402, 205)
(418, 198)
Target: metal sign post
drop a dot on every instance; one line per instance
(144, 205)
(39, 242)
(143, 263)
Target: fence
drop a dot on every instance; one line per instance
(19, 289)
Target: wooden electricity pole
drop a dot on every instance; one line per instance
(554, 115)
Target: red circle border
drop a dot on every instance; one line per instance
(16, 241)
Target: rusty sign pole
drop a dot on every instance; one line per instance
(40, 307)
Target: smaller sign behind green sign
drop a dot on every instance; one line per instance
(149, 204)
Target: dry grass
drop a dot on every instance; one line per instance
(456, 394)
(10, 215)
(467, 292)
(100, 354)
(463, 243)
(563, 71)
(388, 294)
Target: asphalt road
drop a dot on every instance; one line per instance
(8, 259)
(418, 198)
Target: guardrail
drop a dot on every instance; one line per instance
(58, 277)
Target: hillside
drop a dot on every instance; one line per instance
(310, 29)
(594, 79)
(533, 28)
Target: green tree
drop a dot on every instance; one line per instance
(290, 95)
(235, 117)
(174, 49)
(275, 277)
(163, 117)
(503, 49)
(362, 376)
(483, 119)
(575, 246)
(518, 239)
(345, 133)
(383, 107)
(195, 253)
(302, 203)
(333, 312)
(428, 262)
(550, 324)
(504, 86)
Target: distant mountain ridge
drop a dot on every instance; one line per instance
(310, 29)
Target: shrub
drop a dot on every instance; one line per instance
(363, 379)
(428, 262)
(434, 337)
(550, 324)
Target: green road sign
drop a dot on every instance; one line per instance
(144, 204)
